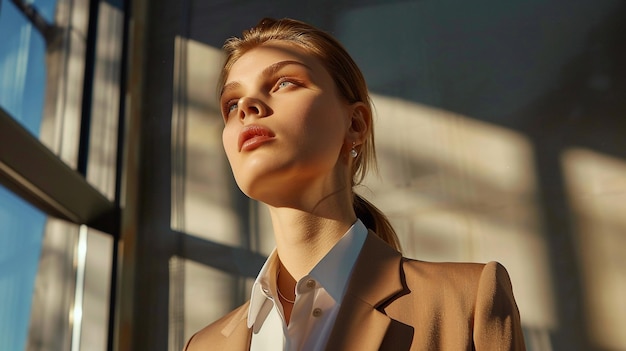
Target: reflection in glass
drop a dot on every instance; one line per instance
(20, 247)
(95, 292)
(105, 100)
(42, 66)
(55, 287)
(42, 62)
(22, 66)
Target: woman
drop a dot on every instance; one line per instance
(298, 135)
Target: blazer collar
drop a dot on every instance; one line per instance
(376, 279)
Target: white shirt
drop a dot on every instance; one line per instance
(318, 297)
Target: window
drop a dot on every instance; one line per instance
(56, 273)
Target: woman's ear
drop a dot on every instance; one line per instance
(361, 122)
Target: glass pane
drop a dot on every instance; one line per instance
(52, 292)
(22, 67)
(20, 248)
(42, 65)
(55, 288)
(98, 259)
(105, 100)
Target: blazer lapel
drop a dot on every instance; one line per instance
(375, 280)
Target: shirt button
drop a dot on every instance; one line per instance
(310, 283)
(317, 312)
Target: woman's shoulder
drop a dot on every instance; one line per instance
(443, 269)
(218, 332)
(452, 289)
(451, 268)
(455, 274)
(443, 298)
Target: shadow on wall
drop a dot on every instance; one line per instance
(543, 82)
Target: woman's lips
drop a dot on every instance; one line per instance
(253, 136)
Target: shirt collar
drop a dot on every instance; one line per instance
(332, 272)
(262, 292)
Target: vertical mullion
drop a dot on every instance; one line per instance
(88, 83)
(119, 168)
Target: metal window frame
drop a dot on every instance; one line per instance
(139, 216)
(32, 171)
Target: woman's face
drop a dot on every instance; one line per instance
(286, 126)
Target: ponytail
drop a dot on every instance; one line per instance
(376, 221)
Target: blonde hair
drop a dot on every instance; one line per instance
(350, 85)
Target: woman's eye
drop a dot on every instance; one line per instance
(284, 83)
(231, 106)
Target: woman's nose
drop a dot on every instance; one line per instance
(251, 107)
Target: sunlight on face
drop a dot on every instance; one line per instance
(285, 125)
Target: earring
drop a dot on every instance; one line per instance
(353, 152)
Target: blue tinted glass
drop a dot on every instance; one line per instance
(22, 64)
(46, 8)
(21, 232)
(22, 89)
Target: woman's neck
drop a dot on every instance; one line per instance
(307, 223)
(303, 239)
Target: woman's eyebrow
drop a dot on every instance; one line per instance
(267, 72)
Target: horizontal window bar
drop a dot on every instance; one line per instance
(31, 170)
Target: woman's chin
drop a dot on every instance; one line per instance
(255, 190)
(269, 194)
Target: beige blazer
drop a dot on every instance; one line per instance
(394, 303)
